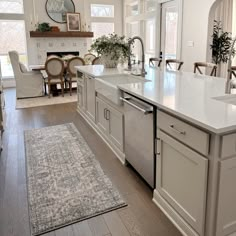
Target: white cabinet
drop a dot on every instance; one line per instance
(81, 96)
(115, 129)
(182, 180)
(181, 173)
(226, 217)
(90, 97)
(101, 114)
(110, 123)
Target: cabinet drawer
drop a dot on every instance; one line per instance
(228, 145)
(188, 134)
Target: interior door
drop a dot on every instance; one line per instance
(171, 21)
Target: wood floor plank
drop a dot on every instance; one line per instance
(98, 226)
(66, 231)
(82, 229)
(140, 218)
(131, 222)
(10, 201)
(115, 224)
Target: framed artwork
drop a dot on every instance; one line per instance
(73, 21)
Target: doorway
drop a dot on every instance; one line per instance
(171, 21)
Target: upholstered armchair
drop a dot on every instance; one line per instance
(28, 83)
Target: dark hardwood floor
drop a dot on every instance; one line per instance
(141, 217)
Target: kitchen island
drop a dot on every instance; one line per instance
(195, 141)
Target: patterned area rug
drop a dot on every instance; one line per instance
(65, 181)
(45, 101)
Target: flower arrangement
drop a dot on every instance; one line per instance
(113, 49)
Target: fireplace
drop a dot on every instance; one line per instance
(62, 54)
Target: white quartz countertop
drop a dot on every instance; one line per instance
(99, 71)
(185, 95)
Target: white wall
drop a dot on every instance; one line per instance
(195, 28)
(37, 47)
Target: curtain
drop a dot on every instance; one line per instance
(224, 13)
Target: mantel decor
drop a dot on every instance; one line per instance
(57, 10)
(73, 22)
(62, 34)
(112, 49)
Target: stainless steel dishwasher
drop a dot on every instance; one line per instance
(139, 136)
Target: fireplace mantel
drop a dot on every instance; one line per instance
(63, 34)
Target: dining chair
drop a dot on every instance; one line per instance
(177, 63)
(55, 71)
(52, 56)
(97, 61)
(232, 75)
(154, 60)
(75, 61)
(205, 65)
(88, 58)
(28, 83)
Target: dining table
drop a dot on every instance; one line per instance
(41, 68)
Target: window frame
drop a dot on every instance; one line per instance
(15, 17)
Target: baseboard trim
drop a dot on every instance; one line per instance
(173, 216)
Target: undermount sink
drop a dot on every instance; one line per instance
(229, 98)
(107, 86)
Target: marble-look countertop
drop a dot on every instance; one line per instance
(186, 95)
(99, 71)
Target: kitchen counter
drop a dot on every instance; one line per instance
(99, 71)
(195, 160)
(183, 94)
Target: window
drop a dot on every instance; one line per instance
(11, 6)
(102, 19)
(14, 30)
(150, 5)
(102, 28)
(132, 9)
(150, 36)
(99, 10)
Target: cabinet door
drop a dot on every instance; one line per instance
(182, 180)
(115, 127)
(226, 218)
(90, 94)
(101, 120)
(80, 94)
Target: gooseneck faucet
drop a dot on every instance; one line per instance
(228, 82)
(143, 72)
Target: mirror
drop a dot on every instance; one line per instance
(57, 9)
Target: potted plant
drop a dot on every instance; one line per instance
(221, 44)
(112, 49)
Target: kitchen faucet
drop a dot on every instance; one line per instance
(228, 82)
(143, 72)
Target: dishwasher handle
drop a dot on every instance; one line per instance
(126, 100)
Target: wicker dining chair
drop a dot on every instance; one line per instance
(55, 71)
(205, 65)
(97, 61)
(178, 64)
(71, 78)
(154, 60)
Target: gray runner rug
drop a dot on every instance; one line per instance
(65, 181)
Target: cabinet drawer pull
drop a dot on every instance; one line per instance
(176, 130)
(107, 114)
(104, 113)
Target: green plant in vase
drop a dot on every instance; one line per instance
(221, 44)
(112, 49)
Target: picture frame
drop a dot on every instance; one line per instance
(73, 21)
